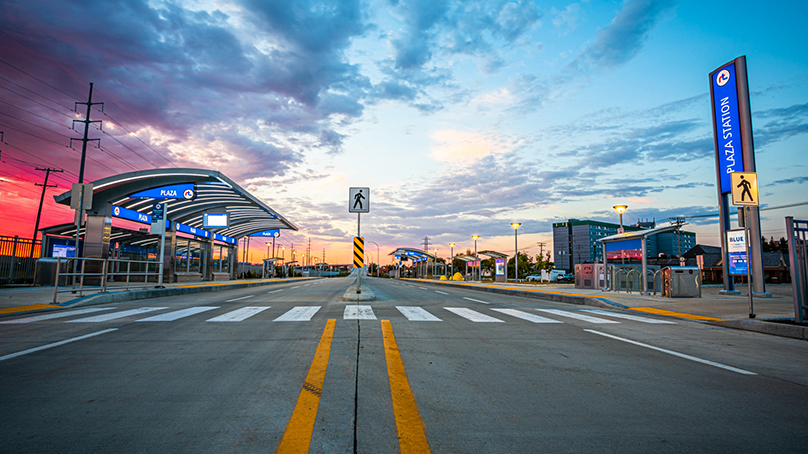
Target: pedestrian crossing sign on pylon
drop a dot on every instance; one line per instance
(744, 189)
(359, 252)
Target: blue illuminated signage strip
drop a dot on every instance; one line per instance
(223, 238)
(132, 215)
(727, 124)
(267, 233)
(192, 230)
(175, 191)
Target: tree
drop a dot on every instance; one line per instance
(524, 267)
(542, 263)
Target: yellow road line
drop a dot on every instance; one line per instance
(30, 307)
(652, 310)
(297, 437)
(411, 436)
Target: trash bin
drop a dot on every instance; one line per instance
(45, 271)
(681, 282)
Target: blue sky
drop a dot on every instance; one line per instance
(461, 117)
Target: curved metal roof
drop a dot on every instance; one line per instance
(214, 192)
(412, 253)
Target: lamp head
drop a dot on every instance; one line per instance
(474, 237)
(515, 225)
(451, 245)
(620, 208)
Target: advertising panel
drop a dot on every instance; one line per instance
(726, 123)
(736, 252)
(500, 267)
(628, 249)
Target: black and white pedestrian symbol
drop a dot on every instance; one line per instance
(744, 189)
(359, 200)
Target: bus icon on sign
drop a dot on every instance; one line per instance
(722, 78)
(188, 194)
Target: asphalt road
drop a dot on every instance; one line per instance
(452, 371)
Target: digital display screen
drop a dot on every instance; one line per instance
(216, 220)
(61, 250)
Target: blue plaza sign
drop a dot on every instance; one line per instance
(175, 191)
(267, 233)
(727, 124)
(143, 218)
(132, 215)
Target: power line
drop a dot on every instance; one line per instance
(132, 134)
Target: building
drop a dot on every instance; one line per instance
(576, 241)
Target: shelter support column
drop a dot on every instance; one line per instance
(169, 256)
(97, 231)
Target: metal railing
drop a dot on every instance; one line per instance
(798, 263)
(17, 259)
(103, 271)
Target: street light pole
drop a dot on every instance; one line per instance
(515, 226)
(620, 209)
(476, 259)
(451, 263)
(435, 263)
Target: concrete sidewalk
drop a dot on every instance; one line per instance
(713, 308)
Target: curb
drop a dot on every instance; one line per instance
(351, 295)
(766, 327)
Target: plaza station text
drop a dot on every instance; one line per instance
(729, 149)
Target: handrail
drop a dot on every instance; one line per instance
(628, 281)
(104, 275)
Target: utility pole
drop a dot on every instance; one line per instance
(86, 122)
(45, 187)
(679, 220)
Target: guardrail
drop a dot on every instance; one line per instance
(107, 271)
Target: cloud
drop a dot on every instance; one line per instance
(621, 40)
(453, 146)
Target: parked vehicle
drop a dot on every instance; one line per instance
(566, 277)
(534, 278)
(554, 274)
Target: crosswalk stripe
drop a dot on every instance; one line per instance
(577, 316)
(176, 315)
(239, 315)
(422, 288)
(276, 291)
(354, 312)
(39, 318)
(299, 314)
(474, 316)
(630, 317)
(417, 314)
(525, 316)
(116, 315)
(442, 293)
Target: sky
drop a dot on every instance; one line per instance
(460, 116)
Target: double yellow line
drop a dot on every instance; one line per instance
(411, 436)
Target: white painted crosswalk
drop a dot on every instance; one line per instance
(472, 315)
(176, 315)
(417, 314)
(116, 315)
(299, 314)
(482, 314)
(355, 312)
(239, 315)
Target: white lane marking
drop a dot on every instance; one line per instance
(299, 314)
(306, 285)
(56, 344)
(476, 301)
(474, 316)
(422, 288)
(115, 315)
(296, 286)
(629, 317)
(39, 318)
(176, 315)
(242, 298)
(577, 316)
(276, 291)
(525, 316)
(442, 293)
(417, 314)
(670, 352)
(354, 312)
(239, 315)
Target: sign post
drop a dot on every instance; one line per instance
(745, 194)
(159, 215)
(359, 202)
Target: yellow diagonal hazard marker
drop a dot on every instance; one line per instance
(358, 252)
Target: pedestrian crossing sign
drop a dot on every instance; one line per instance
(744, 189)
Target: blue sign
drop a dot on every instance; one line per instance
(736, 252)
(132, 215)
(176, 191)
(727, 124)
(267, 233)
(158, 211)
(224, 238)
(192, 230)
(737, 263)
